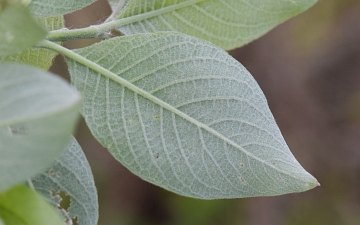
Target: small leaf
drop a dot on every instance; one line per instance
(183, 114)
(47, 8)
(117, 6)
(71, 174)
(38, 112)
(39, 57)
(22, 206)
(18, 30)
(226, 23)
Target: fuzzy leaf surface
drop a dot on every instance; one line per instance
(22, 206)
(71, 174)
(181, 113)
(226, 23)
(46, 8)
(38, 112)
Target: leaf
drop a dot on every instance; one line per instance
(42, 58)
(38, 112)
(226, 23)
(18, 30)
(117, 6)
(22, 206)
(182, 114)
(71, 175)
(46, 8)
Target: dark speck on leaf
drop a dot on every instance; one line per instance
(156, 155)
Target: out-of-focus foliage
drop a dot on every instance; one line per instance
(18, 29)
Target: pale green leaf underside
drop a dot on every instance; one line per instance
(72, 175)
(23, 206)
(226, 23)
(46, 8)
(38, 112)
(201, 129)
(38, 57)
(117, 5)
(18, 30)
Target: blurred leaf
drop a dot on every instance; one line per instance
(38, 112)
(39, 57)
(72, 175)
(18, 30)
(227, 23)
(22, 206)
(46, 8)
(182, 114)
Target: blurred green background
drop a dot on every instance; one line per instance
(309, 70)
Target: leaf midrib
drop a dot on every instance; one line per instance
(107, 73)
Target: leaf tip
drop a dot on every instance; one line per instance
(313, 183)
